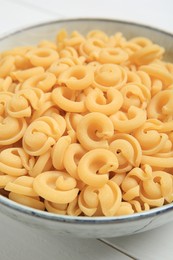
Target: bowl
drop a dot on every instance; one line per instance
(91, 227)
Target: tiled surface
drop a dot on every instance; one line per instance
(19, 243)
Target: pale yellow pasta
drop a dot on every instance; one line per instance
(41, 163)
(42, 133)
(97, 102)
(72, 156)
(5, 179)
(5, 84)
(128, 122)
(112, 55)
(11, 129)
(6, 66)
(95, 165)
(23, 102)
(64, 98)
(56, 186)
(135, 94)
(104, 201)
(44, 81)
(42, 56)
(93, 131)
(58, 152)
(109, 75)
(22, 185)
(33, 202)
(15, 161)
(127, 150)
(86, 125)
(22, 75)
(77, 77)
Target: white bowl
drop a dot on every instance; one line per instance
(94, 227)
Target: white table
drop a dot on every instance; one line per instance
(19, 243)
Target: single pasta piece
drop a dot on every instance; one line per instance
(95, 165)
(97, 102)
(56, 186)
(93, 130)
(15, 161)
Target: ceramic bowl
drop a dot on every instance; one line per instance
(93, 227)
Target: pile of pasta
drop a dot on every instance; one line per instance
(86, 125)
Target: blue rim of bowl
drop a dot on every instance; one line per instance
(11, 205)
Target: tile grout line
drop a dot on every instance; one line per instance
(35, 7)
(117, 248)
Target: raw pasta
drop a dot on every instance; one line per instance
(86, 125)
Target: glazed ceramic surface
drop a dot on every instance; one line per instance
(94, 227)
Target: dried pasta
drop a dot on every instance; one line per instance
(86, 125)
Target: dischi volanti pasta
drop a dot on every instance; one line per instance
(86, 125)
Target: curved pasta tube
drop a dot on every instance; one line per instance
(47, 44)
(6, 66)
(42, 56)
(11, 129)
(45, 106)
(33, 202)
(22, 185)
(65, 99)
(22, 103)
(147, 54)
(58, 152)
(155, 190)
(127, 150)
(56, 208)
(149, 137)
(109, 75)
(44, 81)
(22, 75)
(72, 120)
(97, 102)
(156, 71)
(5, 179)
(139, 206)
(95, 165)
(71, 208)
(118, 177)
(128, 122)
(42, 163)
(5, 97)
(56, 186)
(93, 130)
(108, 197)
(15, 162)
(135, 94)
(5, 84)
(124, 209)
(112, 55)
(42, 133)
(68, 52)
(161, 105)
(91, 47)
(63, 64)
(131, 183)
(72, 156)
(77, 77)
(99, 34)
(157, 161)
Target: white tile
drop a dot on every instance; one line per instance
(150, 245)
(14, 16)
(157, 13)
(19, 242)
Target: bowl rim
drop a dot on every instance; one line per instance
(14, 206)
(84, 19)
